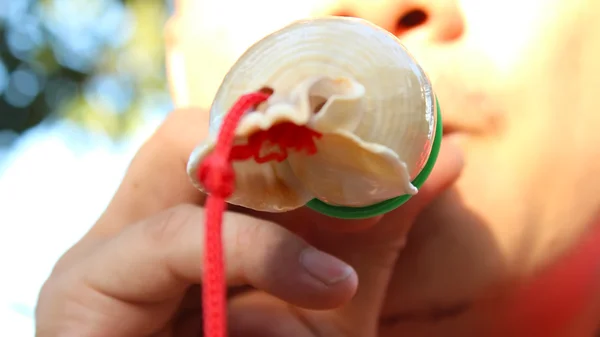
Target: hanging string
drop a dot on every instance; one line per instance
(218, 178)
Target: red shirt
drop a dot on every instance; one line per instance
(558, 300)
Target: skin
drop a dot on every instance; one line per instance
(517, 81)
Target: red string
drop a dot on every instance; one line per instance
(218, 178)
(282, 137)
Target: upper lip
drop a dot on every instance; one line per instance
(471, 113)
(449, 128)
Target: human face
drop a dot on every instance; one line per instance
(516, 80)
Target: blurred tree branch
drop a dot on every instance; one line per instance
(96, 62)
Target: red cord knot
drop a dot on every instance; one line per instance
(217, 175)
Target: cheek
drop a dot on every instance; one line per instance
(504, 31)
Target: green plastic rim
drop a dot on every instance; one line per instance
(390, 204)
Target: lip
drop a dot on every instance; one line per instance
(472, 114)
(449, 129)
(454, 134)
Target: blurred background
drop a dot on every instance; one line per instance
(82, 85)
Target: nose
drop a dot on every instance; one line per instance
(439, 20)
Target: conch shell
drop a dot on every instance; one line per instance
(354, 85)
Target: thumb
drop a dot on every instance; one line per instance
(373, 251)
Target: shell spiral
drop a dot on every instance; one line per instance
(397, 104)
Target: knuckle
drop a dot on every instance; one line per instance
(77, 253)
(248, 234)
(68, 307)
(243, 236)
(167, 227)
(57, 291)
(250, 242)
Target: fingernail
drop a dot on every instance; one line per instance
(324, 267)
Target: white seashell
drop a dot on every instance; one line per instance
(377, 123)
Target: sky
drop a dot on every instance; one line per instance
(54, 183)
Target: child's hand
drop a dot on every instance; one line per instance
(135, 273)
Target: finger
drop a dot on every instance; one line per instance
(446, 171)
(303, 221)
(168, 250)
(258, 315)
(157, 178)
(253, 314)
(373, 252)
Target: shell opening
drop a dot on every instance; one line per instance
(326, 90)
(334, 103)
(316, 103)
(263, 105)
(267, 90)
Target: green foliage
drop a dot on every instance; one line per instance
(99, 63)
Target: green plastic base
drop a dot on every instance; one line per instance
(390, 204)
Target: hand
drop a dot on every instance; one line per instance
(297, 274)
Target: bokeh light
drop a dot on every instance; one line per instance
(95, 62)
